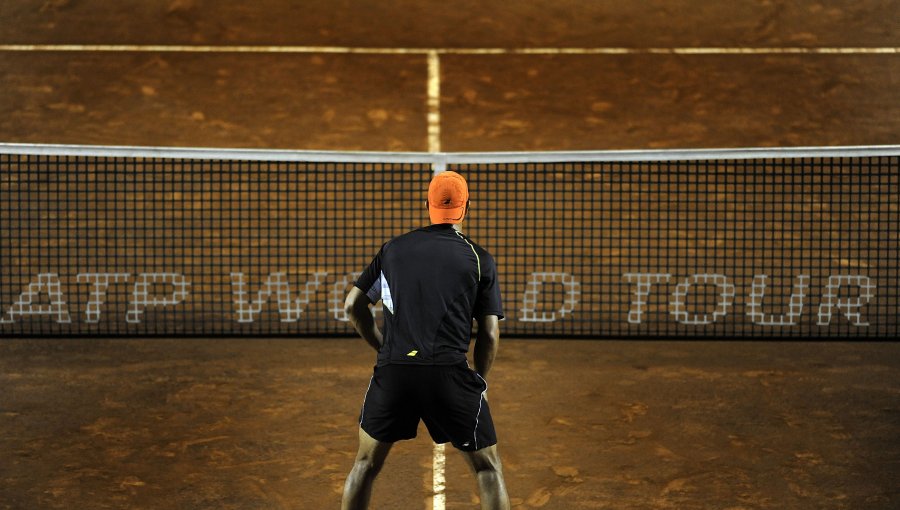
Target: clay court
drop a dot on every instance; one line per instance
(664, 421)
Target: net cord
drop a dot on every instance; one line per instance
(440, 160)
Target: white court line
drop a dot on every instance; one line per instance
(452, 51)
(434, 102)
(438, 483)
(438, 457)
(433, 99)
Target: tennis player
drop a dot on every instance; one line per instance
(432, 282)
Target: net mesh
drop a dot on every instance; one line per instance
(804, 247)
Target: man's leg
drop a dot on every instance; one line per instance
(486, 465)
(369, 459)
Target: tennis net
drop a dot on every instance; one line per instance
(196, 242)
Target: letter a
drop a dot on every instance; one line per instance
(24, 305)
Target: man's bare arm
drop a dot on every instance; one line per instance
(356, 306)
(487, 341)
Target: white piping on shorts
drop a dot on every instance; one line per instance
(480, 403)
(362, 412)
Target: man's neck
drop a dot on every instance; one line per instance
(455, 226)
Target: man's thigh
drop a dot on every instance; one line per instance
(484, 459)
(372, 449)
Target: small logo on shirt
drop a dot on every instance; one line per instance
(413, 353)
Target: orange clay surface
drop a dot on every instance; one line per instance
(250, 423)
(487, 102)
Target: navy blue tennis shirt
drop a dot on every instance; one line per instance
(432, 282)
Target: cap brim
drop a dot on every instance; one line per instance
(453, 215)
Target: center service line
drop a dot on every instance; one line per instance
(433, 100)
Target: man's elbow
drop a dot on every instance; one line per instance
(354, 302)
(348, 308)
(492, 337)
(489, 330)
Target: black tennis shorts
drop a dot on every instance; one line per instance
(448, 398)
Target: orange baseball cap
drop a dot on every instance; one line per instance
(448, 195)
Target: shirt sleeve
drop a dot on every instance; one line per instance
(488, 301)
(370, 279)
